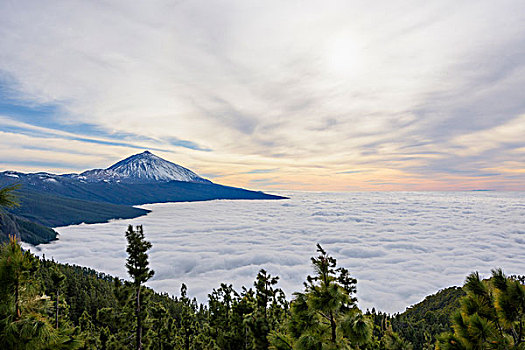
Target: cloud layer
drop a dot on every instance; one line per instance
(388, 95)
(400, 246)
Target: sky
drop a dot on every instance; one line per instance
(296, 95)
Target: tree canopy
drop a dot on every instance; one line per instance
(47, 305)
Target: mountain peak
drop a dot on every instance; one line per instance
(139, 157)
(143, 167)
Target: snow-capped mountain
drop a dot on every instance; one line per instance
(139, 179)
(141, 168)
(102, 194)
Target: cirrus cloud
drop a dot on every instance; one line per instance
(310, 88)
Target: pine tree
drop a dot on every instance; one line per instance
(24, 321)
(325, 315)
(270, 307)
(491, 316)
(226, 314)
(88, 331)
(16, 270)
(57, 278)
(137, 265)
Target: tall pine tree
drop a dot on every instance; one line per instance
(137, 265)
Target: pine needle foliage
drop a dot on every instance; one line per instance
(325, 315)
(491, 316)
(8, 197)
(25, 312)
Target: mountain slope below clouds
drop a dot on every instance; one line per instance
(27, 231)
(54, 211)
(137, 194)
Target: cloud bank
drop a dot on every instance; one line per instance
(401, 246)
(390, 95)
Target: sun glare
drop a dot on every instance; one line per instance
(344, 56)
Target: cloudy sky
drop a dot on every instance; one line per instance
(314, 95)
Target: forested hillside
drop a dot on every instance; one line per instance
(422, 322)
(36, 212)
(52, 210)
(47, 305)
(28, 231)
(13, 225)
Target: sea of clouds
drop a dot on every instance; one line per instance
(401, 246)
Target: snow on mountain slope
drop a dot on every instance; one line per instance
(142, 168)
